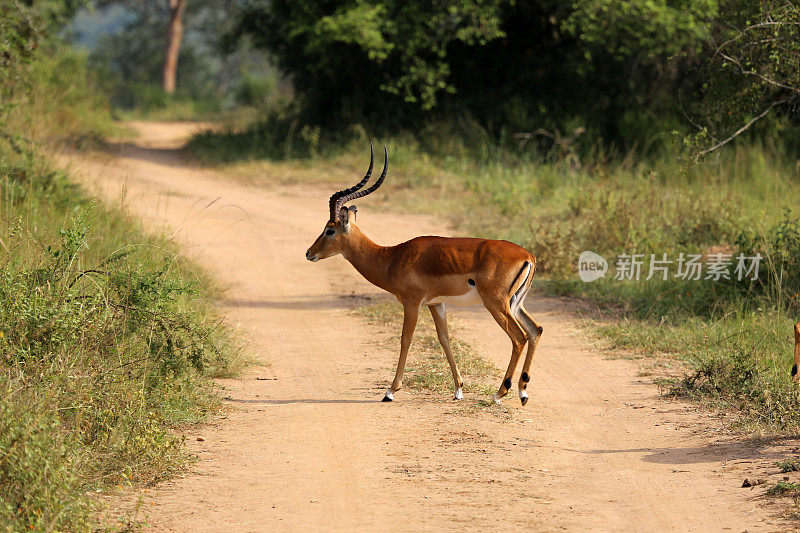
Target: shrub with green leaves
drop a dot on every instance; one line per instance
(104, 346)
(778, 281)
(107, 342)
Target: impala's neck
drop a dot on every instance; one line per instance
(367, 257)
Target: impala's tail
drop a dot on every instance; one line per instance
(521, 283)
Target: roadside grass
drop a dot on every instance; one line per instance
(156, 105)
(52, 101)
(427, 368)
(789, 465)
(734, 337)
(737, 361)
(785, 488)
(152, 103)
(108, 341)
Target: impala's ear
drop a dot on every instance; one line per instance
(344, 218)
(353, 211)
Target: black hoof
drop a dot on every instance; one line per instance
(524, 400)
(387, 399)
(794, 370)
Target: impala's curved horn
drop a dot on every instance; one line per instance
(335, 202)
(360, 194)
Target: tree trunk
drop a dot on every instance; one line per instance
(174, 36)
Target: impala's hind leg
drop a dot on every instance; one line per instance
(440, 319)
(534, 331)
(506, 319)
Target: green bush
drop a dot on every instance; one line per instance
(104, 345)
(38, 467)
(277, 136)
(107, 342)
(150, 101)
(256, 91)
(741, 361)
(778, 281)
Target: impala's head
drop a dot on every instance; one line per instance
(337, 230)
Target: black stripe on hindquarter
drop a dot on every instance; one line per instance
(516, 279)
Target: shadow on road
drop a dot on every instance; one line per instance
(299, 400)
(748, 449)
(303, 302)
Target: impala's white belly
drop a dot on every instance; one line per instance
(471, 297)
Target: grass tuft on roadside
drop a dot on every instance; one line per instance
(784, 488)
(789, 465)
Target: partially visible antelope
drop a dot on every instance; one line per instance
(795, 376)
(435, 271)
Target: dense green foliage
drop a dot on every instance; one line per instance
(753, 70)
(513, 66)
(341, 52)
(101, 351)
(24, 23)
(621, 73)
(105, 343)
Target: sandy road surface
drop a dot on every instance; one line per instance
(312, 447)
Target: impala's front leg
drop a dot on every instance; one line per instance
(410, 314)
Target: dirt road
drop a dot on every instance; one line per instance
(309, 445)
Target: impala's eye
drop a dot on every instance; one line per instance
(329, 233)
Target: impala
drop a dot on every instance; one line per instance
(435, 271)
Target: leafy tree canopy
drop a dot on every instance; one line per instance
(403, 46)
(648, 30)
(754, 71)
(536, 62)
(24, 24)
